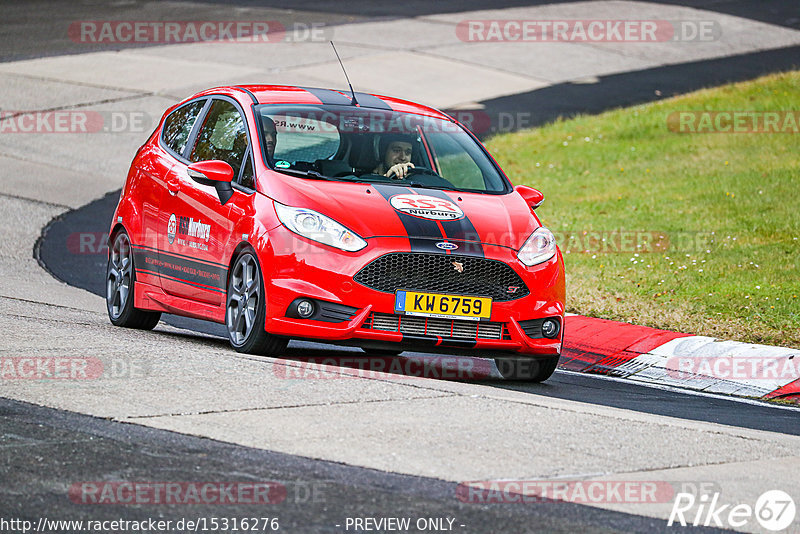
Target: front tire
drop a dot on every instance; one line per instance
(246, 307)
(527, 369)
(120, 287)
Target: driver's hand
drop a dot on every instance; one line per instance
(399, 170)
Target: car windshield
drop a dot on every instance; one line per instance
(351, 143)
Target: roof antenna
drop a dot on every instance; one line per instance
(354, 102)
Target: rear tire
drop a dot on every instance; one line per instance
(527, 369)
(120, 287)
(245, 310)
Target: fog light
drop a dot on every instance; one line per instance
(550, 328)
(305, 309)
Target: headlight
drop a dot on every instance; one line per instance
(318, 227)
(540, 247)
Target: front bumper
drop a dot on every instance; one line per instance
(300, 268)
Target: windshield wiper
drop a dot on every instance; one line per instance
(307, 174)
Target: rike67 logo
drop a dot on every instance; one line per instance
(774, 510)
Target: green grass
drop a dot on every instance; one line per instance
(731, 202)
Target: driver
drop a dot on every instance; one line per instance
(395, 151)
(270, 135)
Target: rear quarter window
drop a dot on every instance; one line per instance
(178, 126)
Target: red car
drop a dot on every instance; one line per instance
(302, 213)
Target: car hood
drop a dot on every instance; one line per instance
(373, 210)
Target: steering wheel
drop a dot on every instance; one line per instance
(421, 170)
(413, 170)
(437, 179)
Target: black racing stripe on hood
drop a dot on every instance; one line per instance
(461, 230)
(423, 234)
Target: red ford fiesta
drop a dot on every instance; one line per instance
(289, 212)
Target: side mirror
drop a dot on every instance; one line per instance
(215, 173)
(531, 196)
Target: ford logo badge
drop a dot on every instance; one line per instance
(444, 245)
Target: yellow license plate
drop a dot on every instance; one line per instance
(439, 305)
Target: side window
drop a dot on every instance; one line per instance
(179, 124)
(222, 136)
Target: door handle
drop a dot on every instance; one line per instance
(173, 186)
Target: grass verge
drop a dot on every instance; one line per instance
(693, 232)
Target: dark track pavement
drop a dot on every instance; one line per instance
(46, 451)
(37, 28)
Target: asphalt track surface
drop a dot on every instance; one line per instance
(780, 12)
(45, 447)
(36, 29)
(42, 447)
(36, 26)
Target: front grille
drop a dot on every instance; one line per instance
(430, 326)
(436, 273)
